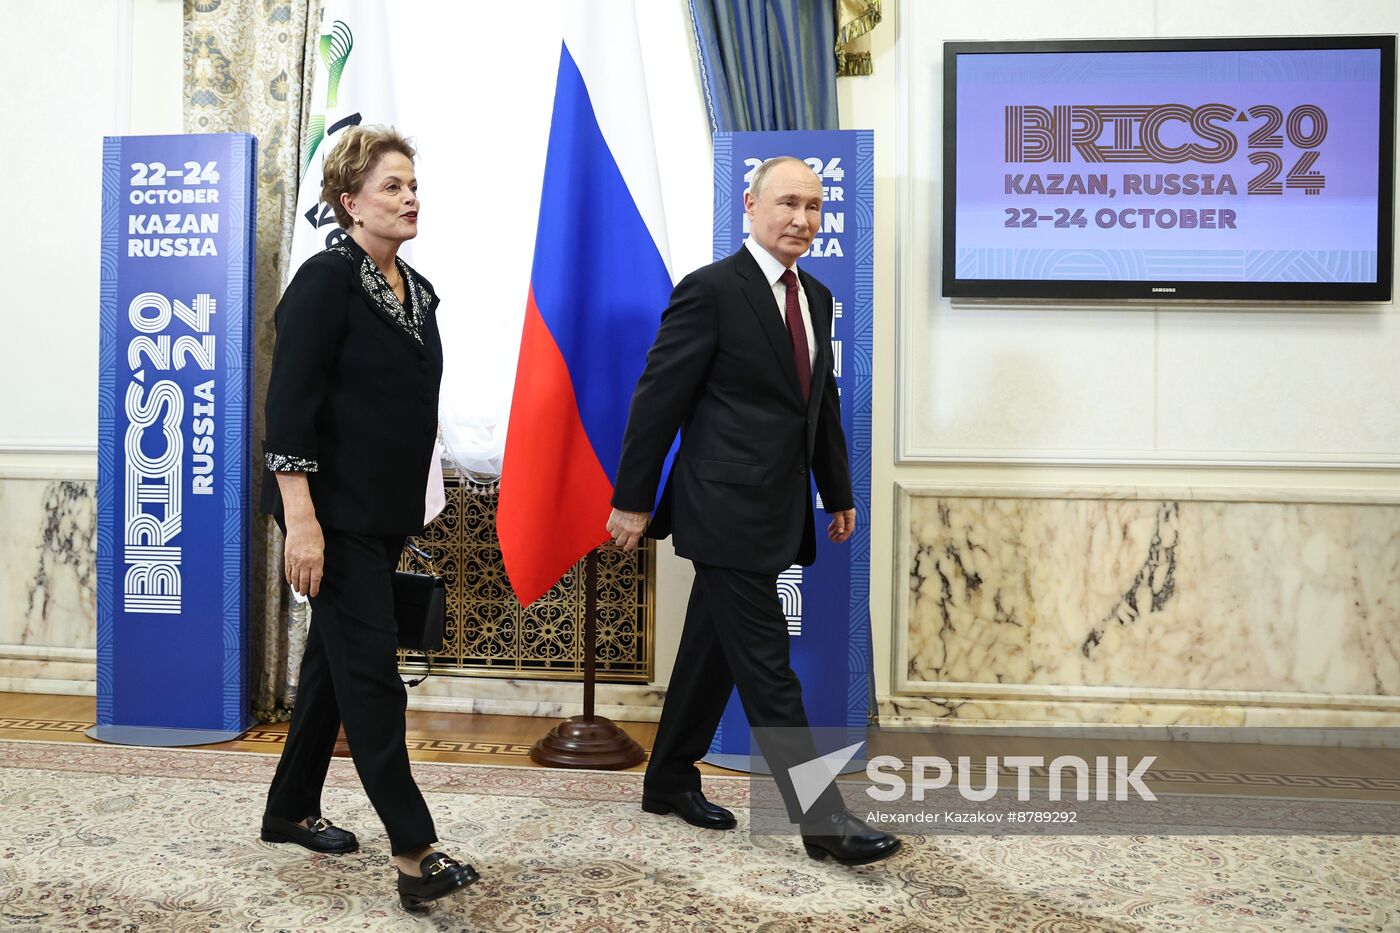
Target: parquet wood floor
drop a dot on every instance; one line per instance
(1199, 767)
(452, 737)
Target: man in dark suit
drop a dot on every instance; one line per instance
(742, 366)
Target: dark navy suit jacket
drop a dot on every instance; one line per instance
(721, 370)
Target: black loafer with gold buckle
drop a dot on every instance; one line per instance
(320, 836)
(442, 875)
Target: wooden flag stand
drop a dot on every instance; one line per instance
(588, 741)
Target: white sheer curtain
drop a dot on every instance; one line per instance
(478, 107)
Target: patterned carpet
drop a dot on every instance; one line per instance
(131, 839)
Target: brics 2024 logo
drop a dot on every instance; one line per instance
(1172, 134)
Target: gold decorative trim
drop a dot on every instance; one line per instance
(854, 19)
(45, 725)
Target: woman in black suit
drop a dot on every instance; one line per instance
(351, 421)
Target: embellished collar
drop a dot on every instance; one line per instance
(411, 317)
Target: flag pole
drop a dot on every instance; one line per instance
(590, 631)
(588, 741)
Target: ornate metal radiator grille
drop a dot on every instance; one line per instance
(490, 634)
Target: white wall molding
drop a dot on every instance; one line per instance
(1362, 727)
(47, 653)
(1069, 694)
(904, 262)
(1059, 489)
(1264, 460)
(30, 460)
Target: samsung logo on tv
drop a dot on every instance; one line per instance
(1168, 290)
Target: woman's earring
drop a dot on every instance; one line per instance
(359, 222)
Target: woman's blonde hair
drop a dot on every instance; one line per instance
(353, 158)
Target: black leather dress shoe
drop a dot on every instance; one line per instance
(691, 806)
(441, 876)
(320, 836)
(847, 839)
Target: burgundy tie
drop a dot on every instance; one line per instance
(797, 333)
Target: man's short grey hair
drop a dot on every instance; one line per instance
(760, 174)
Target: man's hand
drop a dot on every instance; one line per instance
(842, 525)
(627, 528)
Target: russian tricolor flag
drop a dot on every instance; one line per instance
(597, 289)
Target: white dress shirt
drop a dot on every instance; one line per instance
(772, 271)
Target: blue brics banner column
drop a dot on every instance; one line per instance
(828, 604)
(172, 458)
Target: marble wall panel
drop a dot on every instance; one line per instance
(1290, 597)
(48, 563)
(48, 611)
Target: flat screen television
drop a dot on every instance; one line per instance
(1170, 169)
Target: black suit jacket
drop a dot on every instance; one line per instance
(722, 371)
(352, 390)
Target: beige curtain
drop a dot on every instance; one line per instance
(248, 69)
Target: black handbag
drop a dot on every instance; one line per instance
(420, 609)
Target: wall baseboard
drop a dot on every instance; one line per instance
(545, 711)
(48, 669)
(957, 711)
(80, 688)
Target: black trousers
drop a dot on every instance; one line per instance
(349, 674)
(735, 636)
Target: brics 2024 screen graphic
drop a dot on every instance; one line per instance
(1169, 166)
